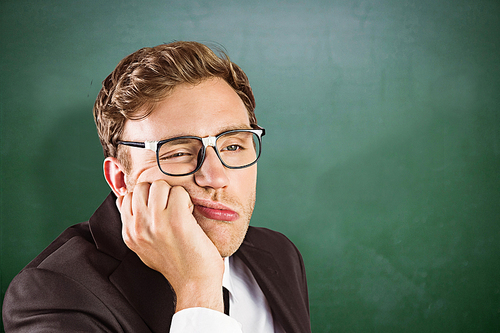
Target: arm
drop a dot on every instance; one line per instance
(158, 225)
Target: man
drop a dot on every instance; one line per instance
(181, 143)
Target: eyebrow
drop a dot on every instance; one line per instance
(222, 130)
(230, 128)
(179, 141)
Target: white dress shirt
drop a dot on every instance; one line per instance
(249, 311)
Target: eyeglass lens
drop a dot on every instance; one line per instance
(182, 156)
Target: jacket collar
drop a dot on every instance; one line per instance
(106, 229)
(274, 285)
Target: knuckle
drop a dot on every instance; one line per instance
(127, 238)
(178, 191)
(134, 237)
(140, 187)
(160, 183)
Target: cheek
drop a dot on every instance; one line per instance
(248, 181)
(144, 175)
(153, 173)
(143, 169)
(243, 187)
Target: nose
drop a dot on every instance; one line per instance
(211, 173)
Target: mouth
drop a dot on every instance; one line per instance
(215, 211)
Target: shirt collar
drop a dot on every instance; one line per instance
(227, 278)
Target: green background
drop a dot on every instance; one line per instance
(381, 160)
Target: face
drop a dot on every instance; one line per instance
(208, 108)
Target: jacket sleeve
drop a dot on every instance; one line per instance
(39, 300)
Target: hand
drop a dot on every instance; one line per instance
(158, 225)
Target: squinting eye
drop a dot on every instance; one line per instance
(172, 156)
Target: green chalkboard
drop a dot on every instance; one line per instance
(381, 159)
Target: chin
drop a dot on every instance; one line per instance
(227, 246)
(227, 250)
(227, 237)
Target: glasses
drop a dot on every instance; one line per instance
(184, 155)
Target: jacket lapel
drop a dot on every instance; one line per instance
(147, 291)
(275, 287)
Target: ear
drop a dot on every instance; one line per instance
(115, 176)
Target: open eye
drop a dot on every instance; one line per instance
(232, 148)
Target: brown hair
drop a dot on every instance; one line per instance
(148, 75)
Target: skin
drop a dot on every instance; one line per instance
(183, 227)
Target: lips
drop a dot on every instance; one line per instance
(215, 211)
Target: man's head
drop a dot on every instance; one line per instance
(148, 75)
(180, 89)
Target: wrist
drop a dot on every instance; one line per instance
(194, 295)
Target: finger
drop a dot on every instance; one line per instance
(179, 203)
(125, 204)
(158, 195)
(140, 197)
(126, 218)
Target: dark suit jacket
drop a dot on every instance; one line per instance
(88, 280)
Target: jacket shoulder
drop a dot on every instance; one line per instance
(272, 241)
(74, 255)
(67, 288)
(80, 230)
(35, 295)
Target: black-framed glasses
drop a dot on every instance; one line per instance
(184, 155)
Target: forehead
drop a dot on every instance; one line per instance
(207, 108)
